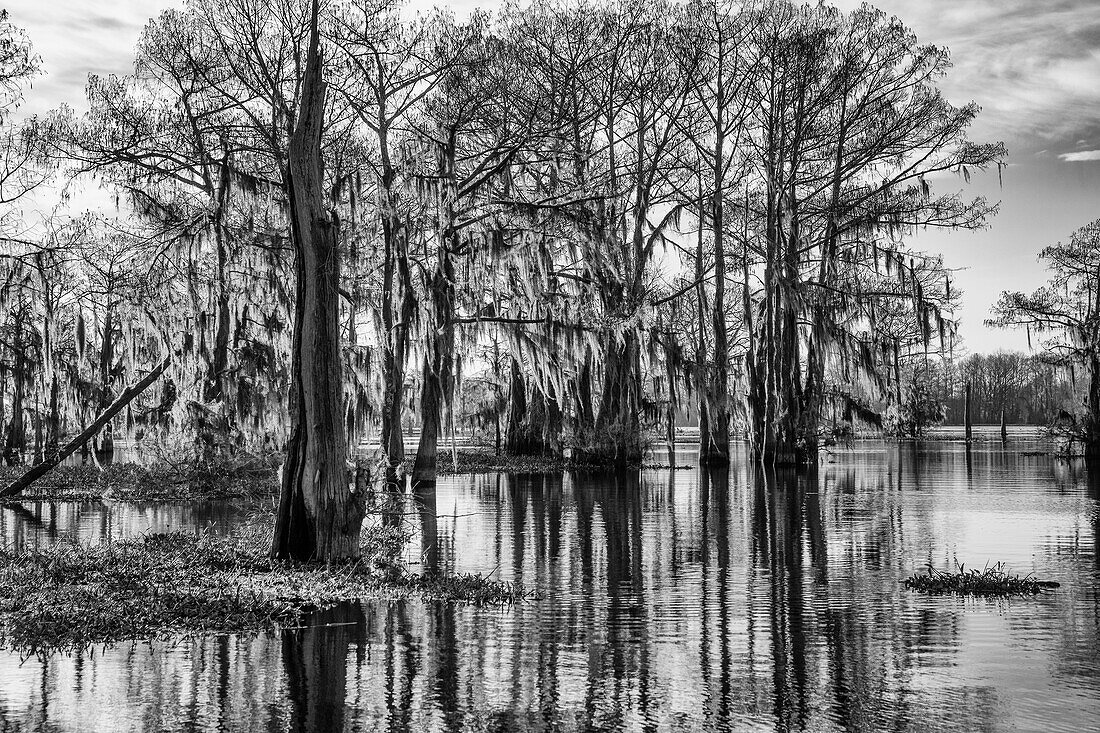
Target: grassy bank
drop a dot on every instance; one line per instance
(69, 596)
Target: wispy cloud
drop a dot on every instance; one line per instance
(1081, 155)
(1032, 66)
(78, 38)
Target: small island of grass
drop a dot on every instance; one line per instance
(989, 581)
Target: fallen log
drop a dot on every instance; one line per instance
(41, 469)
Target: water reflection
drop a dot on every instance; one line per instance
(315, 660)
(39, 523)
(669, 600)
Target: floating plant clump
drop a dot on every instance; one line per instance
(989, 581)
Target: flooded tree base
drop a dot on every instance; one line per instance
(69, 596)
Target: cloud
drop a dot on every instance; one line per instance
(78, 38)
(1031, 66)
(1080, 156)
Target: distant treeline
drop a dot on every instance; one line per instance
(1029, 390)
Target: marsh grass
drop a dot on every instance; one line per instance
(486, 461)
(155, 482)
(69, 596)
(169, 479)
(989, 581)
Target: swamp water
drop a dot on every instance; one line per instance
(670, 600)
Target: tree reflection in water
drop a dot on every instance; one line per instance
(707, 600)
(315, 659)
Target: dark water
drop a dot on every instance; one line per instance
(673, 600)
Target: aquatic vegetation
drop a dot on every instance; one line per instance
(158, 481)
(68, 596)
(989, 581)
(486, 461)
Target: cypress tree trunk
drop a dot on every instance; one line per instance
(534, 418)
(319, 516)
(15, 440)
(702, 382)
(776, 395)
(618, 427)
(551, 433)
(105, 451)
(516, 437)
(214, 388)
(53, 423)
(584, 427)
(393, 370)
(715, 447)
(1092, 420)
(398, 309)
(438, 366)
(439, 360)
(213, 427)
(967, 414)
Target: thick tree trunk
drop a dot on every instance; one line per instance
(534, 419)
(319, 517)
(392, 440)
(551, 433)
(517, 441)
(618, 426)
(439, 360)
(438, 366)
(393, 374)
(776, 396)
(398, 310)
(214, 426)
(584, 425)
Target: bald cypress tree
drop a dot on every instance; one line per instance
(1064, 315)
(319, 517)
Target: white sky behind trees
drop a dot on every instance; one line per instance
(1033, 66)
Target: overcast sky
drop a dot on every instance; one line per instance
(1033, 66)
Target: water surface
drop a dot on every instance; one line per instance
(668, 600)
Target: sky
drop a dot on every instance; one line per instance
(1032, 65)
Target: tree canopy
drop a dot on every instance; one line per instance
(605, 212)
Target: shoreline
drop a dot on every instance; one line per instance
(259, 478)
